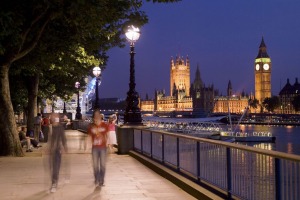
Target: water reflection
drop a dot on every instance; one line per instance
(290, 147)
(287, 137)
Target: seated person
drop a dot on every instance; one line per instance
(24, 140)
(67, 121)
(31, 140)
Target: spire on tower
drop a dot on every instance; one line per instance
(174, 90)
(172, 61)
(197, 82)
(262, 53)
(229, 89)
(262, 43)
(187, 61)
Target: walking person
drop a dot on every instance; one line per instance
(45, 127)
(98, 132)
(58, 145)
(112, 138)
(37, 126)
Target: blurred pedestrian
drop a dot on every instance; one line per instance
(37, 126)
(98, 132)
(112, 138)
(58, 145)
(45, 127)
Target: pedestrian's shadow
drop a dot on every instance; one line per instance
(40, 195)
(94, 195)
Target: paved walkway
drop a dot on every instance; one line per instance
(27, 178)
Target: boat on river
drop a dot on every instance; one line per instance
(244, 137)
(240, 136)
(207, 129)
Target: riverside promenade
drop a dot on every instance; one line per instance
(28, 178)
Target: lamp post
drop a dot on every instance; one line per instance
(53, 105)
(86, 103)
(96, 72)
(78, 115)
(132, 115)
(64, 110)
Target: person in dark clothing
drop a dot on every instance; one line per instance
(37, 126)
(58, 145)
(26, 140)
(45, 128)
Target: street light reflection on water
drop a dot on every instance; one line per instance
(287, 138)
(290, 148)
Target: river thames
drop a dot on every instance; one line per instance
(287, 137)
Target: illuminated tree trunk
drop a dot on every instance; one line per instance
(9, 140)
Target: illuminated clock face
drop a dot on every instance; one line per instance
(266, 66)
(257, 67)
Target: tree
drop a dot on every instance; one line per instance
(253, 103)
(18, 94)
(271, 103)
(55, 74)
(296, 103)
(23, 23)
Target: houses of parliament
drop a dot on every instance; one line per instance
(184, 96)
(197, 99)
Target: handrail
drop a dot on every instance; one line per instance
(276, 154)
(238, 170)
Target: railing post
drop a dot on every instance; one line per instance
(163, 148)
(277, 179)
(178, 157)
(151, 143)
(133, 140)
(198, 161)
(228, 164)
(142, 149)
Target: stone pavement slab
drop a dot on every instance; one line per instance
(28, 178)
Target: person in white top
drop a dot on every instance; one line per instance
(112, 138)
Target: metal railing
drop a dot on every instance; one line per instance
(201, 129)
(238, 171)
(83, 125)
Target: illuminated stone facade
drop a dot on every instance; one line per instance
(180, 76)
(184, 96)
(233, 103)
(147, 105)
(262, 72)
(177, 102)
(236, 104)
(287, 95)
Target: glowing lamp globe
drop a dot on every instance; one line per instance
(77, 85)
(133, 33)
(97, 71)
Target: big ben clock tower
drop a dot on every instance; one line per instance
(262, 71)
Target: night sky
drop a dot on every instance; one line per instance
(222, 36)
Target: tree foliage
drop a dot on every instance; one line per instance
(253, 103)
(53, 43)
(271, 103)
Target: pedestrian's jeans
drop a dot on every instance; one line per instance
(99, 162)
(56, 160)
